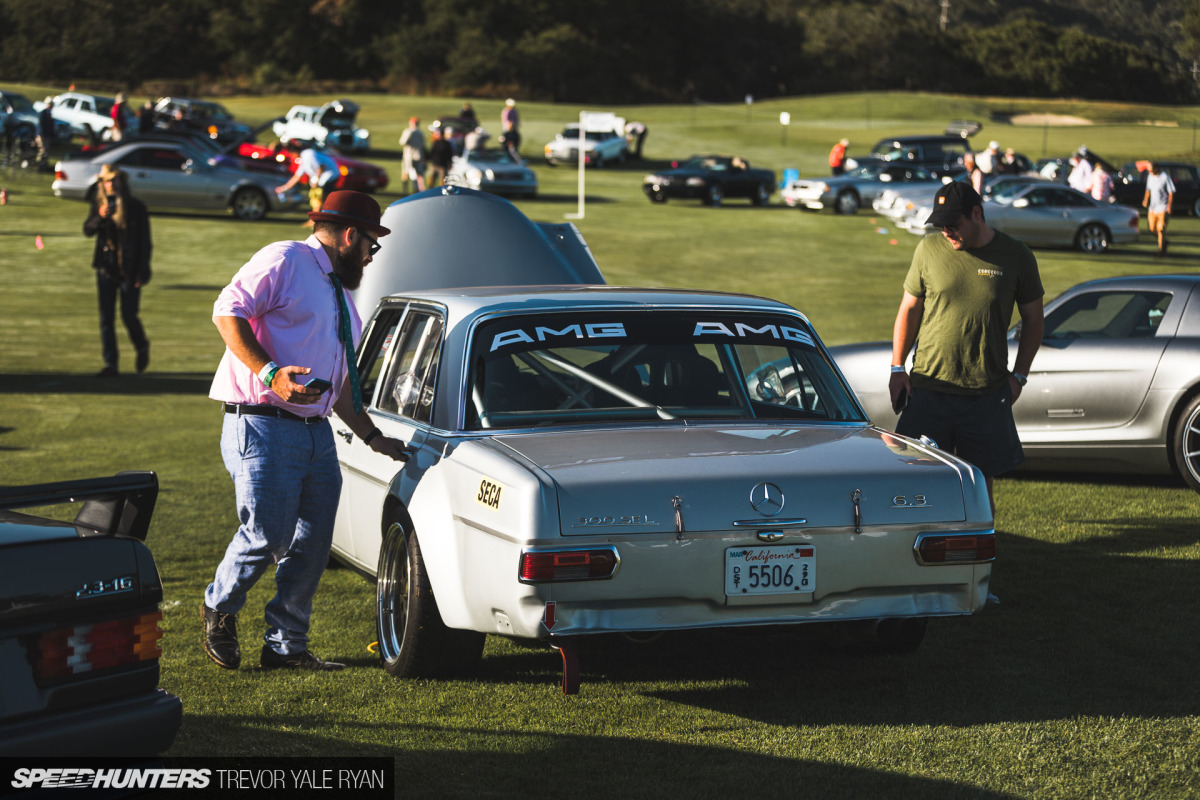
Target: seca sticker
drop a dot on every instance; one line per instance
(489, 494)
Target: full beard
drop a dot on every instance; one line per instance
(349, 268)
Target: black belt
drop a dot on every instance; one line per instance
(269, 411)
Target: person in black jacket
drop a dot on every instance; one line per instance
(121, 259)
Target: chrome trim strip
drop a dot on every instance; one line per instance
(769, 522)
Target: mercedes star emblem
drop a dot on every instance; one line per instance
(766, 499)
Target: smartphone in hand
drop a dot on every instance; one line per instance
(320, 384)
(901, 401)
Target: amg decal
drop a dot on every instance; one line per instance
(597, 330)
(742, 330)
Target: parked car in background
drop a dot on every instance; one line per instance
(353, 174)
(939, 154)
(860, 186)
(17, 112)
(86, 115)
(332, 125)
(899, 202)
(589, 460)
(177, 174)
(79, 623)
(493, 170)
(711, 179)
(601, 145)
(1129, 185)
(1115, 386)
(1040, 213)
(200, 116)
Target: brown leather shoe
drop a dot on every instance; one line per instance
(302, 660)
(220, 638)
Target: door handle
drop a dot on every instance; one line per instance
(347, 435)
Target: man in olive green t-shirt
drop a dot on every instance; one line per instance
(959, 296)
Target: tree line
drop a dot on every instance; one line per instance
(616, 51)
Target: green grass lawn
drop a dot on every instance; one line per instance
(1082, 683)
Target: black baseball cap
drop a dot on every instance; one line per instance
(953, 200)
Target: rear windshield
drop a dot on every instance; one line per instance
(601, 367)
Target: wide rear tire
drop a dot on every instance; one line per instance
(413, 640)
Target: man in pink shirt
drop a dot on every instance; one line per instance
(288, 305)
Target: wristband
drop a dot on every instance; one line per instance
(1019, 378)
(267, 373)
(370, 437)
(898, 368)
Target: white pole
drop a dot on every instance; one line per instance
(582, 142)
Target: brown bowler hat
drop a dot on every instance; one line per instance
(352, 209)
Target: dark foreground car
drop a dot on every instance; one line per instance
(711, 179)
(79, 637)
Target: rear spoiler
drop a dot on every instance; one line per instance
(118, 505)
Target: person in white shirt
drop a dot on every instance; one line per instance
(321, 169)
(1160, 192)
(1081, 173)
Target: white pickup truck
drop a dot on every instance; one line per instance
(604, 142)
(332, 124)
(88, 115)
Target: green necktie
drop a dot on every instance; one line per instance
(347, 338)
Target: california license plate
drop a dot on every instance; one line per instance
(788, 569)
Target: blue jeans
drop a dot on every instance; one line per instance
(287, 481)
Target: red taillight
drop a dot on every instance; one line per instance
(59, 175)
(86, 648)
(956, 549)
(568, 565)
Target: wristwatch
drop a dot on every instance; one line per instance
(1019, 378)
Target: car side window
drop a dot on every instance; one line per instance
(1108, 315)
(373, 353)
(408, 386)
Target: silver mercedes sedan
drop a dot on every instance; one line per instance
(1040, 213)
(1115, 386)
(182, 174)
(591, 460)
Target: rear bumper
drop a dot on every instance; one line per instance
(664, 584)
(134, 726)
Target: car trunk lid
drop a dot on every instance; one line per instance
(626, 481)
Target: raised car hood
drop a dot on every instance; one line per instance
(624, 482)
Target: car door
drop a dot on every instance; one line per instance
(1038, 216)
(399, 367)
(67, 109)
(154, 171)
(739, 181)
(1097, 360)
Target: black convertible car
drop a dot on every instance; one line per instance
(711, 179)
(79, 615)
